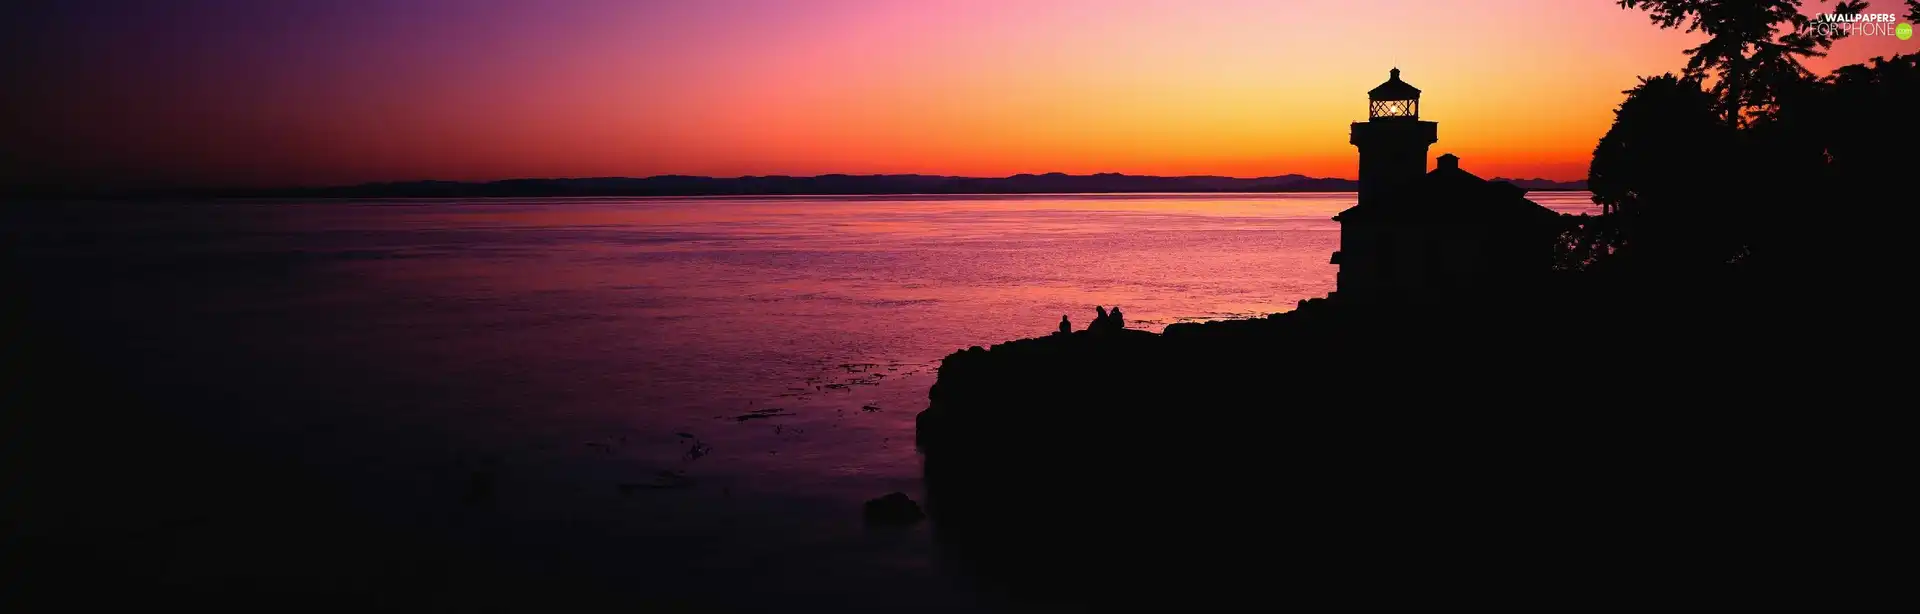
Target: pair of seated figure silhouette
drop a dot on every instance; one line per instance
(1105, 320)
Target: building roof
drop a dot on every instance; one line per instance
(1449, 195)
(1394, 89)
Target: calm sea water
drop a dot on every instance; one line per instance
(511, 399)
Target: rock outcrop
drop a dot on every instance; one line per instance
(894, 509)
(1471, 449)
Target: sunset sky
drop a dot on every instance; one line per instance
(298, 92)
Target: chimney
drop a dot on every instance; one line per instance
(1447, 162)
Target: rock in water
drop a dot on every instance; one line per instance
(893, 509)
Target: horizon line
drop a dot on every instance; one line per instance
(83, 190)
(907, 174)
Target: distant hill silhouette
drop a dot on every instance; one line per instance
(765, 185)
(690, 185)
(685, 185)
(1545, 185)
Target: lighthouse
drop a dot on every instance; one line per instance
(1432, 238)
(1393, 141)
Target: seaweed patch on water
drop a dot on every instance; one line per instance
(664, 480)
(762, 414)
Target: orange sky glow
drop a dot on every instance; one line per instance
(344, 92)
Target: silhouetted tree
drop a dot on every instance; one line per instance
(1717, 164)
(1586, 241)
(1659, 174)
(1879, 93)
(1746, 51)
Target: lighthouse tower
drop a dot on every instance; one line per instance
(1393, 141)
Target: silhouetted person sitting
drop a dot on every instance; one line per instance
(1107, 320)
(1065, 326)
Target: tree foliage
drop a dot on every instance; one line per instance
(1661, 170)
(1720, 163)
(1754, 48)
(1863, 105)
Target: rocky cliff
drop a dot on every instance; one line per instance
(1364, 455)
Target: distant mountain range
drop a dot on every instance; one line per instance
(686, 185)
(1546, 185)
